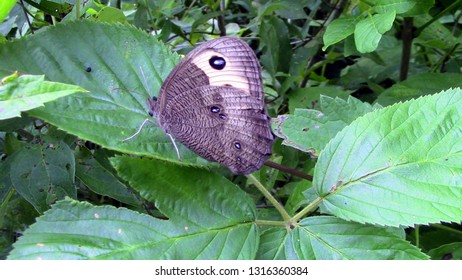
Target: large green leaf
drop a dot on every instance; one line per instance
(120, 65)
(209, 218)
(330, 238)
(401, 165)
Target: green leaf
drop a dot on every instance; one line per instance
(419, 85)
(451, 251)
(310, 130)
(100, 179)
(338, 30)
(435, 35)
(400, 165)
(369, 31)
(274, 36)
(208, 218)
(43, 173)
(5, 8)
(204, 198)
(25, 92)
(421, 7)
(111, 14)
(399, 6)
(330, 238)
(120, 65)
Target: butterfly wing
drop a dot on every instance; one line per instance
(222, 124)
(213, 103)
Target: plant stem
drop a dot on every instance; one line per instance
(271, 198)
(270, 223)
(289, 170)
(307, 209)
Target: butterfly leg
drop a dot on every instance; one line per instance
(174, 144)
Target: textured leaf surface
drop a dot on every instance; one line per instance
(400, 6)
(43, 174)
(28, 92)
(209, 218)
(369, 31)
(310, 130)
(401, 165)
(338, 30)
(101, 179)
(330, 238)
(120, 65)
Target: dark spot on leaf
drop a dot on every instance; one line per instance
(305, 129)
(222, 116)
(88, 69)
(237, 145)
(447, 256)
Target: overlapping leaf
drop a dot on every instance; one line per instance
(27, 92)
(401, 165)
(209, 218)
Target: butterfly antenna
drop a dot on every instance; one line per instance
(137, 132)
(174, 144)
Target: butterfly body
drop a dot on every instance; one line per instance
(213, 103)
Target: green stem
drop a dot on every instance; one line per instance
(270, 223)
(77, 9)
(7, 199)
(417, 236)
(271, 198)
(313, 205)
(3, 206)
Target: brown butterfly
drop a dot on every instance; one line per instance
(213, 103)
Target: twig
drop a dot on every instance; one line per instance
(289, 170)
